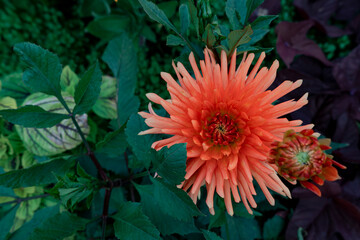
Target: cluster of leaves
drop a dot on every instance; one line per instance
(72, 164)
(318, 43)
(43, 24)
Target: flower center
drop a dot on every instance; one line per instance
(303, 158)
(222, 130)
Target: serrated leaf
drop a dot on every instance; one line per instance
(68, 80)
(238, 37)
(39, 174)
(57, 139)
(240, 229)
(172, 164)
(39, 218)
(174, 201)
(156, 14)
(184, 18)
(141, 145)
(32, 116)
(210, 235)
(88, 89)
(59, 226)
(131, 223)
(273, 227)
(108, 27)
(153, 209)
(44, 69)
(120, 55)
(7, 221)
(173, 40)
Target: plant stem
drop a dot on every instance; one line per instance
(19, 200)
(105, 211)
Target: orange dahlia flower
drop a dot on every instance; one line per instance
(301, 156)
(226, 117)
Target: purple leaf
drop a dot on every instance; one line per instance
(347, 72)
(320, 11)
(292, 41)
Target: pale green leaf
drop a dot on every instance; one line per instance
(105, 106)
(68, 80)
(7, 103)
(56, 139)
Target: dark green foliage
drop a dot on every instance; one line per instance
(88, 89)
(131, 223)
(39, 174)
(32, 116)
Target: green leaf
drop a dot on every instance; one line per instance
(108, 27)
(7, 103)
(174, 201)
(7, 221)
(194, 17)
(273, 227)
(217, 220)
(210, 235)
(59, 226)
(105, 106)
(156, 14)
(32, 116)
(44, 69)
(300, 233)
(56, 139)
(251, 5)
(141, 145)
(171, 166)
(184, 18)
(173, 40)
(88, 89)
(263, 22)
(238, 37)
(169, 7)
(208, 36)
(114, 143)
(120, 56)
(240, 228)
(13, 86)
(39, 174)
(39, 218)
(8, 192)
(131, 223)
(153, 209)
(236, 12)
(68, 80)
